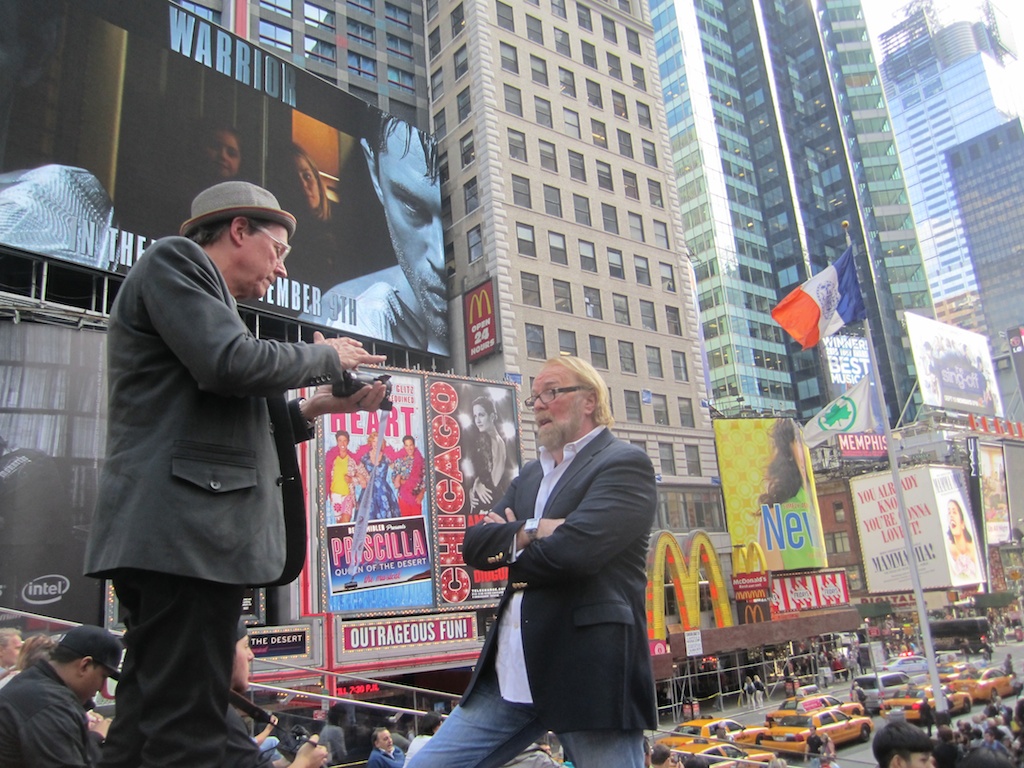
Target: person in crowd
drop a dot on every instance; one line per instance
(407, 474)
(647, 752)
(385, 754)
(759, 691)
(749, 690)
(10, 646)
(899, 744)
(946, 753)
(428, 726)
(344, 473)
(407, 303)
(1008, 664)
(926, 715)
(814, 747)
(200, 494)
(32, 650)
(992, 740)
(984, 758)
(573, 530)
(491, 456)
(661, 756)
(43, 711)
(537, 755)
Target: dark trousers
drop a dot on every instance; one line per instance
(172, 698)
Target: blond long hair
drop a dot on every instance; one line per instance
(591, 379)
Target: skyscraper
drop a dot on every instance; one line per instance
(779, 133)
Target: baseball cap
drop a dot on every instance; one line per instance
(102, 646)
(225, 201)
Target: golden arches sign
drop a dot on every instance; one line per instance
(749, 559)
(666, 554)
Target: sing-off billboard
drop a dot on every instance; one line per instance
(119, 113)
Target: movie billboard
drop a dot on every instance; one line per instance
(376, 515)
(995, 507)
(954, 367)
(769, 491)
(124, 111)
(945, 542)
(474, 449)
(53, 416)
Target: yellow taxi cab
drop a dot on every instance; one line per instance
(722, 755)
(704, 728)
(955, 671)
(807, 704)
(959, 702)
(791, 732)
(982, 685)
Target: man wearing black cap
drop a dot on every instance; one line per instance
(200, 494)
(43, 719)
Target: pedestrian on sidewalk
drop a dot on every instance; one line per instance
(759, 691)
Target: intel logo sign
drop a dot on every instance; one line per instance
(43, 590)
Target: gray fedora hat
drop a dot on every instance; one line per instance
(229, 199)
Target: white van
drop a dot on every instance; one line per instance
(885, 685)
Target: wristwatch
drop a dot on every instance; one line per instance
(531, 528)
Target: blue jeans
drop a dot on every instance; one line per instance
(487, 732)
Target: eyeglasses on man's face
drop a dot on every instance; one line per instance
(281, 248)
(550, 394)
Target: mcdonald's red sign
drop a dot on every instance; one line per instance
(481, 321)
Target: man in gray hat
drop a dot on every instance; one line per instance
(43, 709)
(200, 494)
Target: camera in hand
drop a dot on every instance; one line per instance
(352, 381)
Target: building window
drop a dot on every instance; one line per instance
(642, 269)
(474, 244)
(467, 149)
(471, 196)
(619, 105)
(536, 349)
(542, 108)
(629, 183)
(505, 17)
(589, 54)
(614, 66)
(639, 78)
(562, 45)
(521, 192)
(534, 30)
(647, 317)
(583, 17)
(581, 209)
(627, 357)
(548, 155)
(837, 543)
(525, 240)
(679, 369)
(458, 20)
(203, 12)
(401, 79)
(588, 257)
(599, 352)
(594, 97)
(692, 460)
(839, 511)
(563, 296)
(437, 84)
(608, 27)
(464, 104)
(625, 143)
(572, 123)
(566, 342)
(318, 50)
(362, 33)
(531, 289)
(660, 234)
(577, 166)
(686, 412)
(659, 404)
(440, 121)
(667, 455)
(513, 100)
(599, 133)
(509, 58)
(668, 277)
(281, 6)
(461, 61)
(363, 66)
(643, 113)
(567, 81)
(654, 190)
(636, 227)
(538, 70)
(610, 218)
(319, 17)
(399, 46)
(621, 306)
(592, 303)
(434, 43)
(615, 266)
(604, 176)
(558, 8)
(556, 248)
(634, 412)
(552, 201)
(517, 145)
(632, 40)
(654, 368)
(673, 322)
(363, 5)
(275, 35)
(650, 154)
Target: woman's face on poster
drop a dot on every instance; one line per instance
(308, 182)
(956, 519)
(483, 420)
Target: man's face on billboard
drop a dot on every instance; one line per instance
(412, 205)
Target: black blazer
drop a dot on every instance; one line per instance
(584, 588)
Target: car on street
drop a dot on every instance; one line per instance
(704, 728)
(884, 685)
(954, 671)
(723, 755)
(912, 665)
(791, 732)
(959, 702)
(807, 704)
(987, 681)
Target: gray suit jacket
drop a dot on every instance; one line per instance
(192, 484)
(584, 620)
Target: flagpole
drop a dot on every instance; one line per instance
(901, 503)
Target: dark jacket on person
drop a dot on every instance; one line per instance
(43, 723)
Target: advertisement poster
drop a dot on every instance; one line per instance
(125, 111)
(474, 449)
(994, 505)
(375, 505)
(809, 591)
(53, 424)
(954, 367)
(769, 491)
(941, 529)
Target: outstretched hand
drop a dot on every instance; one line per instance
(350, 352)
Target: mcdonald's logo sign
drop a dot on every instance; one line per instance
(480, 321)
(685, 571)
(753, 612)
(749, 559)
